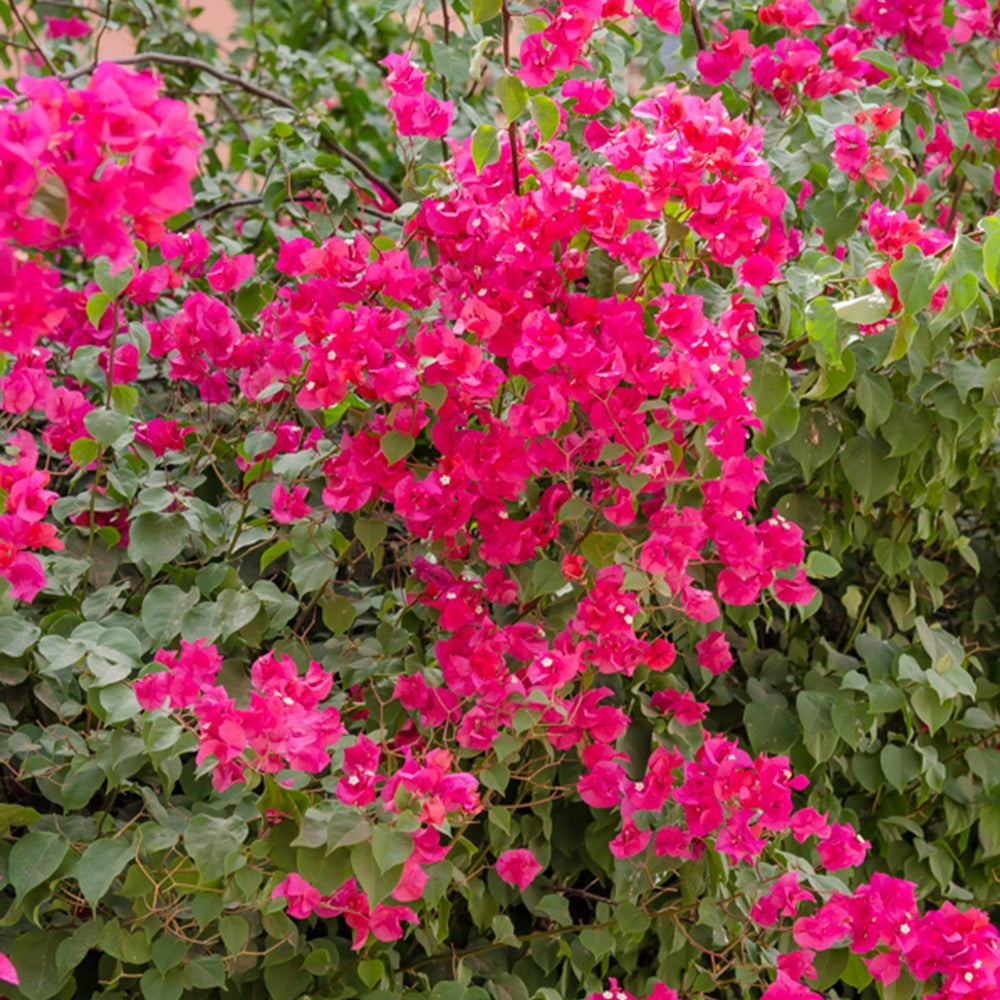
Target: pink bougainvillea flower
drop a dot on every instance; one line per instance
(288, 506)
(8, 974)
(714, 653)
(591, 96)
(518, 867)
(417, 113)
(229, 272)
(66, 27)
(850, 152)
(842, 847)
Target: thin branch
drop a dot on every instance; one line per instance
(254, 200)
(26, 28)
(234, 115)
(345, 154)
(101, 31)
(166, 59)
(699, 32)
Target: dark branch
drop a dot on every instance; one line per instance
(166, 59)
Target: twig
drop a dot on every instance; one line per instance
(253, 200)
(699, 32)
(26, 28)
(345, 154)
(166, 59)
(511, 128)
(102, 30)
(233, 115)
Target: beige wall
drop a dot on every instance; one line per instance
(217, 17)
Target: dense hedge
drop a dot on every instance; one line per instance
(500, 501)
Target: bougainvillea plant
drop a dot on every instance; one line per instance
(428, 484)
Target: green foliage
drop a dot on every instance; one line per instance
(126, 876)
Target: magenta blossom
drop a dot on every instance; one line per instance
(518, 867)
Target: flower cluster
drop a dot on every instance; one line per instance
(23, 530)
(96, 166)
(382, 921)
(282, 726)
(417, 112)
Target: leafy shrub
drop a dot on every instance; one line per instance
(500, 502)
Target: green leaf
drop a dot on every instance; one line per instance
(376, 882)
(370, 533)
(834, 379)
(821, 327)
(512, 95)
(900, 765)
(73, 949)
(864, 309)
(370, 972)
(885, 698)
(989, 829)
(485, 149)
(869, 468)
(484, 10)
(309, 574)
(258, 443)
(13, 815)
(875, 399)
(156, 538)
(237, 608)
(84, 451)
(991, 250)
(331, 825)
(107, 427)
(34, 858)
(913, 275)
(545, 114)
(34, 955)
(396, 446)
(97, 306)
(275, 551)
(815, 441)
(163, 610)
(546, 577)
(885, 61)
(205, 972)
(556, 908)
(814, 709)
(211, 840)
(390, 847)
(234, 931)
(770, 727)
(168, 951)
(953, 104)
(822, 566)
(893, 557)
(112, 284)
(338, 613)
(17, 635)
(904, 988)
(51, 199)
(599, 547)
(157, 985)
(962, 293)
(119, 943)
(99, 865)
(769, 386)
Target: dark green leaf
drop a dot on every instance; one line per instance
(99, 865)
(869, 468)
(34, 858)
